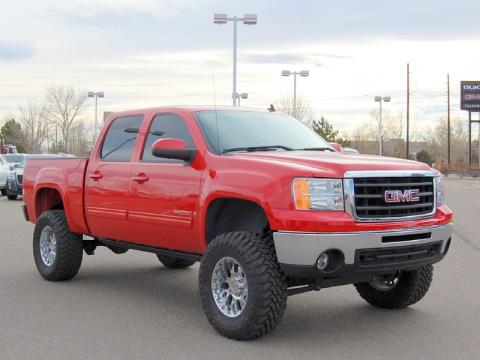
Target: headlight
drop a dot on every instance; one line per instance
(318, 194)
(440, 194)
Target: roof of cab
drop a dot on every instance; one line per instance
(190, 108)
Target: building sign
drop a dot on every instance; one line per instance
(470, 95)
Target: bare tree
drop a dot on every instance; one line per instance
(436, 138)
(32, 117)
(303, 111)
(366, 134)
(64, 106)
(79, 143)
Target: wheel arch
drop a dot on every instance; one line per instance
(229, 214)
(47, 198)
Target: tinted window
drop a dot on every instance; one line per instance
(120, 139)
(166, 126)
(239, 129)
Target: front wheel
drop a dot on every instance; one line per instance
(3, 192)
(242, 288)
(12, 197)
(397, 291)
(56, 250)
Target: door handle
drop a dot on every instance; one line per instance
(140, 178)
(95, 176)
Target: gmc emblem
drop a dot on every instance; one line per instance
(399, 196)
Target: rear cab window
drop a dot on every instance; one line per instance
(119, 141)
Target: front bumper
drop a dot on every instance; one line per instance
(361, 252)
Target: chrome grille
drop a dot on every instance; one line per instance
(367, 196)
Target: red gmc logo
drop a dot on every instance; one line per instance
(399, 196)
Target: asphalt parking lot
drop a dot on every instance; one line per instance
(130, 307)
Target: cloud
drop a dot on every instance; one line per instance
(10, 51)
(276, 58)
(316, 59)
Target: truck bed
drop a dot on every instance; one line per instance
(43, 176)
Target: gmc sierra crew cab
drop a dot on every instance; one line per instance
(265, 205)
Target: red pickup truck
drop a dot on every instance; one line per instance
(261, 201)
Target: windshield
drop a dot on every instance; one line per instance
(252, 131)
(13, 158)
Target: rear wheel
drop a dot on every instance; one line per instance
(56, 250)
(174, 262)
(242, 288)
(12, 197)
(3, 192)
(397, 291)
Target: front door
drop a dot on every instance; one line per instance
(108, 180)
(163, 209)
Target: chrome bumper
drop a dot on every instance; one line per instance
(296, 248)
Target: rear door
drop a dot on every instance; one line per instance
(108, 180)
(164, 200)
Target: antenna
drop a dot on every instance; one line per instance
(216, 113)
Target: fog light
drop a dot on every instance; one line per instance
(322, 261)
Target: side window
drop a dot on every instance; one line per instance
(120, 139)
(166, 126)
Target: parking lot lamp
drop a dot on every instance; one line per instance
(247, 19)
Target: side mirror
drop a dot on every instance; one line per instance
(173, 149)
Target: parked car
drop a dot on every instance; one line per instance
(349, 150)
(14, 184)
(4, 171)
(8, 149)
(336, 146)
(263, 202)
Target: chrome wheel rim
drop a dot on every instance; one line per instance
(229, 287)
(385, 282)
(48, 246)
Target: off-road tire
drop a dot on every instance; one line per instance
(172, 262)
(12, 197)
(3, 192)
(411, 288)
(69, 247)
(267, 285)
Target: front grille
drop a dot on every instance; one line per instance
(377, 259)
(20, 179)
(370, 202)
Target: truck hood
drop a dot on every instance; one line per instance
(334, 164)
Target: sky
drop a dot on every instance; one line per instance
(145, 53)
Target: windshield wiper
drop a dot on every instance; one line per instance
(257, 148)
(318, 149)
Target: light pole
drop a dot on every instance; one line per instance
(303, 73)
(96, 95)
(381, 99)
(241, 96)
(248, 19)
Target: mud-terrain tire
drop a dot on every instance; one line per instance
(256, 260)
(12, 197)
(410, 288)
(172, 262)
(68, 248)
